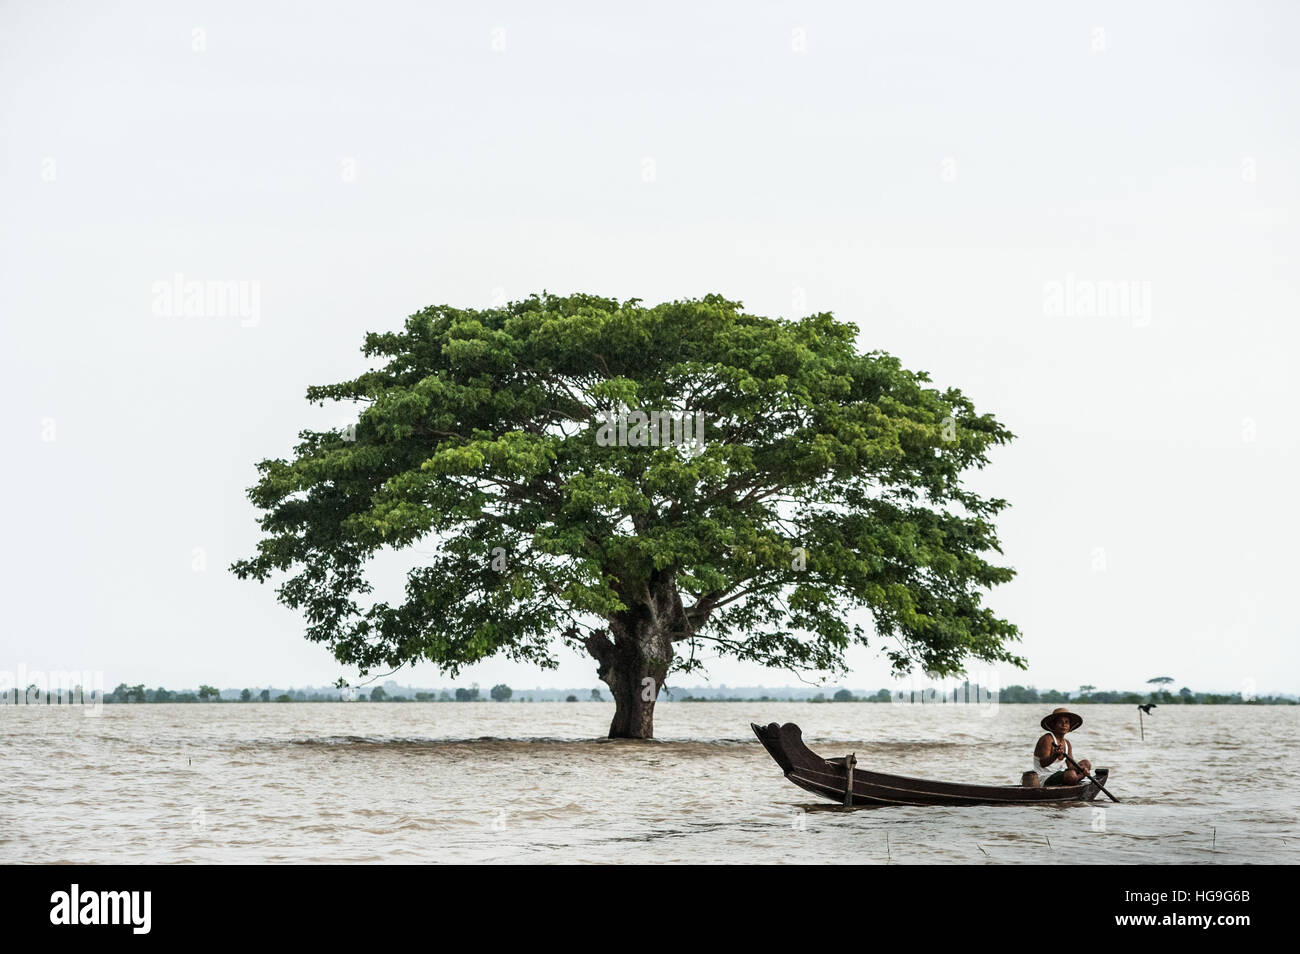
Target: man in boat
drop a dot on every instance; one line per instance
(1049, 755)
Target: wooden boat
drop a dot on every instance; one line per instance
(829, 778)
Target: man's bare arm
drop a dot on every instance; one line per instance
(1047, 750)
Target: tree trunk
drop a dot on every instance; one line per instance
(635, 676)
(634, 655)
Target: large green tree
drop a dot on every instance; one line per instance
(826, 493)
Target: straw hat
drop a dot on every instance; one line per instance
(1075, 719)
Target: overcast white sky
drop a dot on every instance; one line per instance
(932, 172)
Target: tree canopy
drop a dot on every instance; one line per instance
(822, 490)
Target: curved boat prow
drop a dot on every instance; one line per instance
(769, 735)
(785, 744)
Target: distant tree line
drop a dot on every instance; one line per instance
(498, 693)
(138, 693)
(1088, 695)
(1023, 694)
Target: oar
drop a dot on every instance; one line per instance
(1090, 778)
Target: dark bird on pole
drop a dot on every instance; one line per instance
(1148, 707)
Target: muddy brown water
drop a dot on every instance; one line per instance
(533, 783)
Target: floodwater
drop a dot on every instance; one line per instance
(531, 783)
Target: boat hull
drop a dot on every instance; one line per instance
(828, 778)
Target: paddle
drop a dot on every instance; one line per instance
(1077, 768)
